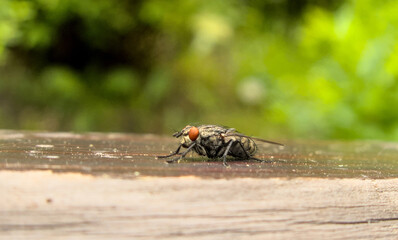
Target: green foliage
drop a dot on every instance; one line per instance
(280, 69)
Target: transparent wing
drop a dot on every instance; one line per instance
(254, 138)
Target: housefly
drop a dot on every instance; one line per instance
(216, 142)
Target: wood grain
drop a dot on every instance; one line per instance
(111, 186)
(47, 205)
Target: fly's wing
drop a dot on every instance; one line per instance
(254, 138)
(267, 141)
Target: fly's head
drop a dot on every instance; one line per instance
(189, 134)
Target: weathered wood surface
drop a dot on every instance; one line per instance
(101, 186)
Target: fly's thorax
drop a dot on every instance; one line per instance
(211, 130)
(211, 141)
(211, 136)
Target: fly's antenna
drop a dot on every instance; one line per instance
(177, 134)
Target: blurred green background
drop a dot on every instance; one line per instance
(270, 68)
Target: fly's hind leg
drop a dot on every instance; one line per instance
(244, 150)
(260, 160)
(224, 156)
(267, 161)
(251, 157)
(182, 154)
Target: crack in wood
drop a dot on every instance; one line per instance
(13, 227)
(367, 221)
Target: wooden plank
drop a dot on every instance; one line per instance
(127, 155)
(97, 186)
(42, 204)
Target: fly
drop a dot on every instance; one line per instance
(216, 142)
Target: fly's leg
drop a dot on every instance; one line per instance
(244, 150)
(267, 161)
(176, 152)
(182, 154)
(224, 156)
(250, 157)
(260, 160)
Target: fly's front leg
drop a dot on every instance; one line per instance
(176, 152)
(182, 155)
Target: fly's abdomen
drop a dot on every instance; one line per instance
(242, 147)
(250, 146)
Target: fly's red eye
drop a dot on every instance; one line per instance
(193, 133)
